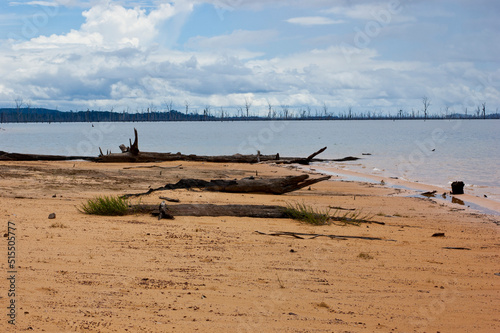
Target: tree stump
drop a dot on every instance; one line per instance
(457, 187)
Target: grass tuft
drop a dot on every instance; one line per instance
(308, 214)
(104, 205)
(282, 286)
(305, 213)
(364, 255)
(323, 305)
(57, 225)
(353, 218)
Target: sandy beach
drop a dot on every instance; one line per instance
(135, 273)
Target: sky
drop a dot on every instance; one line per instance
(370, 56)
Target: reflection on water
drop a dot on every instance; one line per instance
(456, 200)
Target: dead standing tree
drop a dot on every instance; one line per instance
(426, 103)
(19, 104)
(248, 104)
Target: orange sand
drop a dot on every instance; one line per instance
(137, 274)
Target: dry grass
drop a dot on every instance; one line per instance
(58, 225)
(365, 255)
(310, 215)
(323, 305)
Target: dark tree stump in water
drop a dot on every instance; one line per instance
(457, 188)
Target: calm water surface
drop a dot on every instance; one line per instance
(434, 152)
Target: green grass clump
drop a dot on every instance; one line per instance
(305, 213)
(104, 205)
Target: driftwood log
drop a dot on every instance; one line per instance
(246, 185)
(148, 157)
(258, 211)
(5, 156)
(304, 161)
(132, 154)
(255, 211)
(301, 235)
(164, 211)
(311, 158)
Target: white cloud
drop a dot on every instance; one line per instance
(117, 58)
(122, 26)
(110, 26)
(313, 20)
(383, 12)
(238, 39)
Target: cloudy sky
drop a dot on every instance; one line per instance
(378, 56)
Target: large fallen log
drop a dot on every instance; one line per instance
(306, 161)
(5, 156)
(132, 154)
(258, 211)
(311, 158)
(246, 185)
(149, 157)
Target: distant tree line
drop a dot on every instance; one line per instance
(40, 115)
(27, 114)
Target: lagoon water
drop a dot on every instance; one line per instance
(434, 152)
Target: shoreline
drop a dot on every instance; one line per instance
(483, 205)
(216, 274)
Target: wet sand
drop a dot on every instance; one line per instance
(216, 274)
(409, 188)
